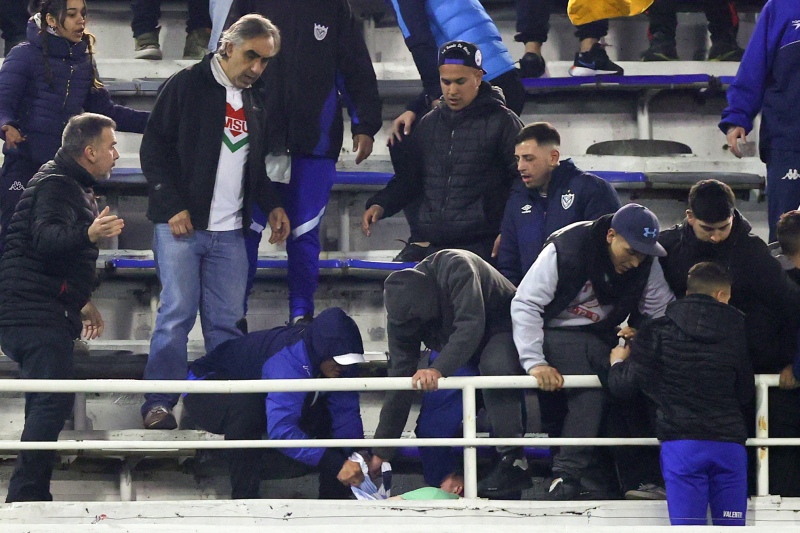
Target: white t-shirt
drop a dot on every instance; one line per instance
(228, 199)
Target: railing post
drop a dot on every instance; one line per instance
(762, 432)
(80, 421)
(470, 452)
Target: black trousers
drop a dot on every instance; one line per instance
(635, 465)
(784, 461)
(533, 22)
(147, 12)
(723, 22)
(13, 22)
(243, 417)
(42, 353)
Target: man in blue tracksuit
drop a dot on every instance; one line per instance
(323, 63)
(768, 81)
(552, 194)
(320, 349)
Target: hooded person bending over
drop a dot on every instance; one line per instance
(323, 348)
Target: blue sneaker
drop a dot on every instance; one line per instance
(594, 62)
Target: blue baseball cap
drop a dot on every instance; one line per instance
(639, 226)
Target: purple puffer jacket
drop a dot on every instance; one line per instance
(39, 104)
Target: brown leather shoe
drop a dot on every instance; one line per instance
(160, 417)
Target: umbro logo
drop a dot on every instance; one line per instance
(526, 209)
(17, 186)
(796, 24)
(792, 174)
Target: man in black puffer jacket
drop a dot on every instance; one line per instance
(47, 275)
(693, 363)
(460, 163)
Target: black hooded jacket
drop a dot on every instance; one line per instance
(693, 364)
(47, 272)
(761, 289)
(461, 164)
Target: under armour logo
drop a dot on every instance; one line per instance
(17, 186)
(792, 174)
(526, 209)
(650, 233)
(796, 24)
(320, 31)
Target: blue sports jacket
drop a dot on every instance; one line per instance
(294, 352)
(466, 20)
(768, 80)
(572, 196)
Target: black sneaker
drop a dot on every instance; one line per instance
(661, 49)
(531, 65)
(563, 489)
(411, 253)
(725, 50)
(510, 475)
(594, 62)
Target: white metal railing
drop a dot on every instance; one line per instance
(469, 441)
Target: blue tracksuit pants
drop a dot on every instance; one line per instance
(699, 473)
(304, 199)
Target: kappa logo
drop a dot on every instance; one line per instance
(650, 233)
(526, 209)
(17, 186)
(796, 24)
(320, 31)
(792, 174)
(567, 200)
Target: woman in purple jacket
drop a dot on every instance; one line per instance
(44, 82)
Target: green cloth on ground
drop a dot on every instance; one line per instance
(429, 493)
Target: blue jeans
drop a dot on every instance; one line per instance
(205, 271)
(218, 9)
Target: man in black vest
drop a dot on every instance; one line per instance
(589, 277)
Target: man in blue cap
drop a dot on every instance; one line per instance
(588, 279)
(327, 347)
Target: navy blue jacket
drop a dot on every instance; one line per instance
(572, 196)
(38, 99)
(768, 80)
(294, 352)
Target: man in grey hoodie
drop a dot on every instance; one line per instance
(459, 306)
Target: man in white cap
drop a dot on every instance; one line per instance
(328, 347)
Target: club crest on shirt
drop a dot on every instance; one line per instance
(320, 31)
(567, 200)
